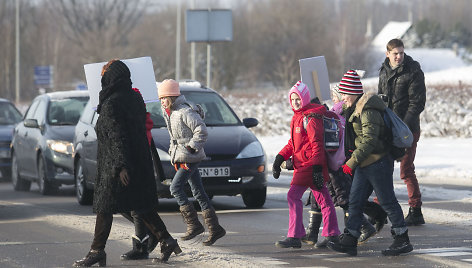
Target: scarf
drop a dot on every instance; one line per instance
(108, 90)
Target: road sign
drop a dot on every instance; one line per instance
(43, 75)
(209, 25)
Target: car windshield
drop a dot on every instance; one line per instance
(217, 111)
(66, 111)
(9, 114)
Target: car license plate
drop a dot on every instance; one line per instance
(214, 171)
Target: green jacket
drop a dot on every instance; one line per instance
(369, 129)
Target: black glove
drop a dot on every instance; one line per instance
(276, 166)
(318, 179)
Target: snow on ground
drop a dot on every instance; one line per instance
(440, 161)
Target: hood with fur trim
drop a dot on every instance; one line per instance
(369, 101)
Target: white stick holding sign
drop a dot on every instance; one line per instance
(142, 77)
(314, 73)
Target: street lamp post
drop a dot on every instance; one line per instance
(17, 52)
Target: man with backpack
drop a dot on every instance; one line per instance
(371, 165)
(401, 84)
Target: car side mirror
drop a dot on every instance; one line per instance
(250, 122)
(33, 123)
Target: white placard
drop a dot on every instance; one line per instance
(314, 73)
(142, 77)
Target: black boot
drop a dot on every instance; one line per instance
(401, 244)
(94, 256)
(313, 228)
(367, 231)
(139, 251)
(168, 247)
(377, 216)
(194, 227)
(414, 217)
(324, 242)
(346, 244)
(214, 228)
(153, 241)
(289, 242)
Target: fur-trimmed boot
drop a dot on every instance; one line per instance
(214, 228)
(139, 251)
(401, 244)
(194, 226)
(313, 228)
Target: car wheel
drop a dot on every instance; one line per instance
(19, 184)
(84, 195)
(254, 198)
(45, 187)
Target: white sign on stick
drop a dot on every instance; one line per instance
(314, 73)
(142, 77)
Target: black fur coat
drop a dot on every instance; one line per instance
(122, 143)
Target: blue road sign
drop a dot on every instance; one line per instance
(43, 75)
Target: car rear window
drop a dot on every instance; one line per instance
(9, 114)
(66, 111)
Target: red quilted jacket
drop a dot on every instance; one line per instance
(306, 146)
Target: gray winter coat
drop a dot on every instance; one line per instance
(186, 128)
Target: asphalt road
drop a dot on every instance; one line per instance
(53, 231)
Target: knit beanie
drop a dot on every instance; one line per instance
(351, 84)
(168, 88)
(302, 91)
(335, 92)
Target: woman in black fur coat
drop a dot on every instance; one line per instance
(125, 178)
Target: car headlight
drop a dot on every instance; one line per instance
(253, 149)
(62, 147)
(164, 156)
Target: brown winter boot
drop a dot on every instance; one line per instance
(194, 227)
(214, 228)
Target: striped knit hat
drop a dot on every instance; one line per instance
(351, 84)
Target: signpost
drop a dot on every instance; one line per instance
(209, 25)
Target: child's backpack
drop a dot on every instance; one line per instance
(333, 138)
(397, 131)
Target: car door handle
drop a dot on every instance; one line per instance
(86, 133)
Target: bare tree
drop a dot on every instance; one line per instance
(100, 29)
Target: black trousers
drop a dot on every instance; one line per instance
(104, 221)
(140, 229)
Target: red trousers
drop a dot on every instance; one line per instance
(407, 173)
